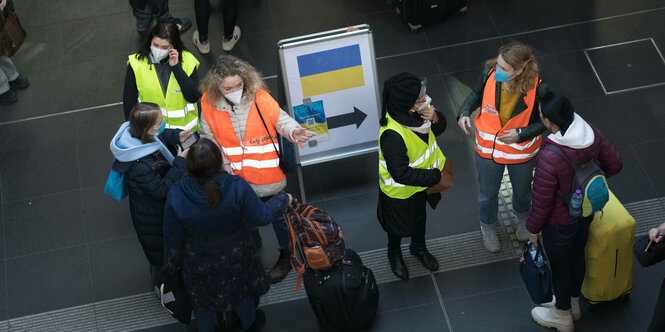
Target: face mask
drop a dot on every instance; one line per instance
(158, 53)
(161, 128)
(500, 76)
(234, 97)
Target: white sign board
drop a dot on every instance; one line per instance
(330, 81)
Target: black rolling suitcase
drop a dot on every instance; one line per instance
(416, 13)
(344, 296)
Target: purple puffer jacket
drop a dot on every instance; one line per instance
(553, 173)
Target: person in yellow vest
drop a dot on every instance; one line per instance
(239, 115)
(508, 134)
(409, 161)
(165, 73)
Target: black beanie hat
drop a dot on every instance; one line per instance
(400, 93)
(558, 109)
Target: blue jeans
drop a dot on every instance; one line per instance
(489, 181)
(564, 246)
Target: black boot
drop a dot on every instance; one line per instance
(397, 264)
(420, 251)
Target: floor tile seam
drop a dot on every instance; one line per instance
(32, 198)
(501, 37)
(495, 291)
(85, 232)
(69, 21)
(79, 110)
(496, 28)
(654, 190)
(124, 237)
(44, 252)
(414, 306)
(443, 306)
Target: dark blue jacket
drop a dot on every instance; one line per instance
(213, 246)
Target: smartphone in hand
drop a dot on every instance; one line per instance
(189, 141)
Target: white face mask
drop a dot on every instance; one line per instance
(427, 102)
(158, 53)
(234, 97)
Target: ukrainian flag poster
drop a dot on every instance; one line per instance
(330, 70)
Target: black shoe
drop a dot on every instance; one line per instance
(259, 322)
(397, 264)
(20, 83)
(428, 260)
(256, 236)
(8, 97)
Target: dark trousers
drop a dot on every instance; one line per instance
(658, 319)
(144, 10)
(418, 236)
(229, 12)
(564, 246)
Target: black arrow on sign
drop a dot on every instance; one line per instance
(357, 118)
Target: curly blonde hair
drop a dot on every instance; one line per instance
(228, 65)
(519, 56)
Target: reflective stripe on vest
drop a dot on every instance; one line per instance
(421, 156)
(179, 113)
(488, 128)
(255, 158)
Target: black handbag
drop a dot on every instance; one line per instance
(174, 296)
(647, 252)
(287, 160)
(536, 274)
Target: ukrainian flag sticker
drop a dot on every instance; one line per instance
(331, 70)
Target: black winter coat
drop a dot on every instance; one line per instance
(149, 179)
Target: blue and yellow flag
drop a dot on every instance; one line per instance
(332, 70)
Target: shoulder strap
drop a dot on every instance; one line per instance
(279, 155)
(558, 151)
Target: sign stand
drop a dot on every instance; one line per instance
(330, 84)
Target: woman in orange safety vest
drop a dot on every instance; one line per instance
(239, 115)
(507, 133)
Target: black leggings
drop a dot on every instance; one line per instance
(202, 12)
(658, 319)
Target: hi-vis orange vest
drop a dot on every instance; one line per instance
(255, 158)
(488, 128)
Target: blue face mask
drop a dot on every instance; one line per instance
(161, 128)
(500, 76)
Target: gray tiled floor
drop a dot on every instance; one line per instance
(64, 243)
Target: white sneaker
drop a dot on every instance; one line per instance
(204, 47)
(490, 239)
(574, 306)
(561, 320)
(520, 227)
(227, 45)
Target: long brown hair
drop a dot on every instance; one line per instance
(142, 117)
(519, 56)
(228, 65)
(204, 161)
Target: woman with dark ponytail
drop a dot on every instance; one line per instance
(207, 220)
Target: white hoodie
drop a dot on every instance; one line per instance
(579, 134)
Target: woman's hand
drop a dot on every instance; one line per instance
(185, 135)
(290, 198)
(533, 238)
(428, 113)
(182, 153)
(464, 122)
(656, 234)
(173, 57)
(3, 4)
(303, 135)
(511, 137)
